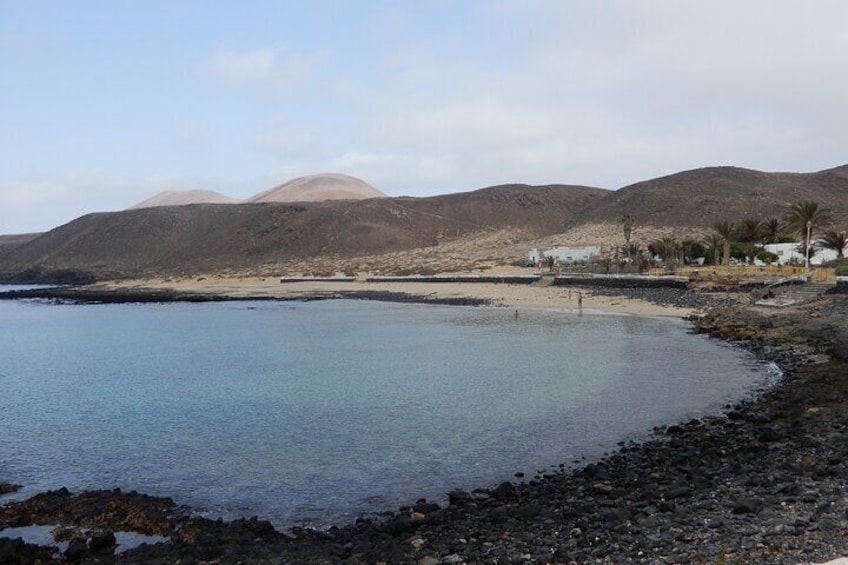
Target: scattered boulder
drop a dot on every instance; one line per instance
(77, 549)
(748, 506)
(504, 491)
(424, 507)
(6, 488)
(101, 541)
(458, 497)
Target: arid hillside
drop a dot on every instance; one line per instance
(463, 231)
(702, 197)
(10, 242)
(690, 202)
(215, 238)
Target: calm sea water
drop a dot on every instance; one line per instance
(312, 413)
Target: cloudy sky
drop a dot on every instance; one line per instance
(105, 103)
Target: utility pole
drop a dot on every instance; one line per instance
(809, 234)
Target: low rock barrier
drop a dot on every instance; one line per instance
(284, 280)
(503, 279)
(622, 281)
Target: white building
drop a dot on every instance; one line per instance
(565, 255)
(788, 251)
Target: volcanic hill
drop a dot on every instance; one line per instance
(184, 197)
(688, 203)
(259, 237)
(318, 188)
(495, 225)
(312, 188)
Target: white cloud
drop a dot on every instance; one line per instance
(600, 92)
(616, 84)
(192, 135)
(286, 139)
(592, 92)
(383, 170)
(268, 71)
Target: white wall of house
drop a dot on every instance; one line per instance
(566, 255)
(787, 251)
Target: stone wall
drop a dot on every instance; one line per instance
(621, 281)
(514, 279)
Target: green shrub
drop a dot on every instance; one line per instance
(766, 256)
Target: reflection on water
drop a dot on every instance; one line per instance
(45, 535)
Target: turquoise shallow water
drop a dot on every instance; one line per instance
(312, 413)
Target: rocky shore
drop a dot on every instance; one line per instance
(762, 483)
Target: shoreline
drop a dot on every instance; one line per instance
(508, 295)
(756, 484)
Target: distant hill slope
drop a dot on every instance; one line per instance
(497, 222)
(313, 188)
(10, 242)
(207, 238)
(687, 204)
(841, 171)
(701, 197)
(184, 197)
(318, 188)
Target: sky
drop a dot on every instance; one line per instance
(104, 103)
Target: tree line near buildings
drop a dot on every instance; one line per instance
(737, 242)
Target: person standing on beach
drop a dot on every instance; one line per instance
(579, 300)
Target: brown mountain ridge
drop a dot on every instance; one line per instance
(497, 223)
(207, 238)
(312, 188)
(701, 197)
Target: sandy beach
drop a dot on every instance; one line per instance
(518, 296)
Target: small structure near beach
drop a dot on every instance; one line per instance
(794, 252)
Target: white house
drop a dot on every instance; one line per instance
(565, 255)
(787, 251)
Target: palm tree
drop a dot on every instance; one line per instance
(803, 218)
(772, 230)
(713, 243)
(668, 249)
(750, 233)
(725, 231)
(836, 240)
(633, 252)
(627, 225)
